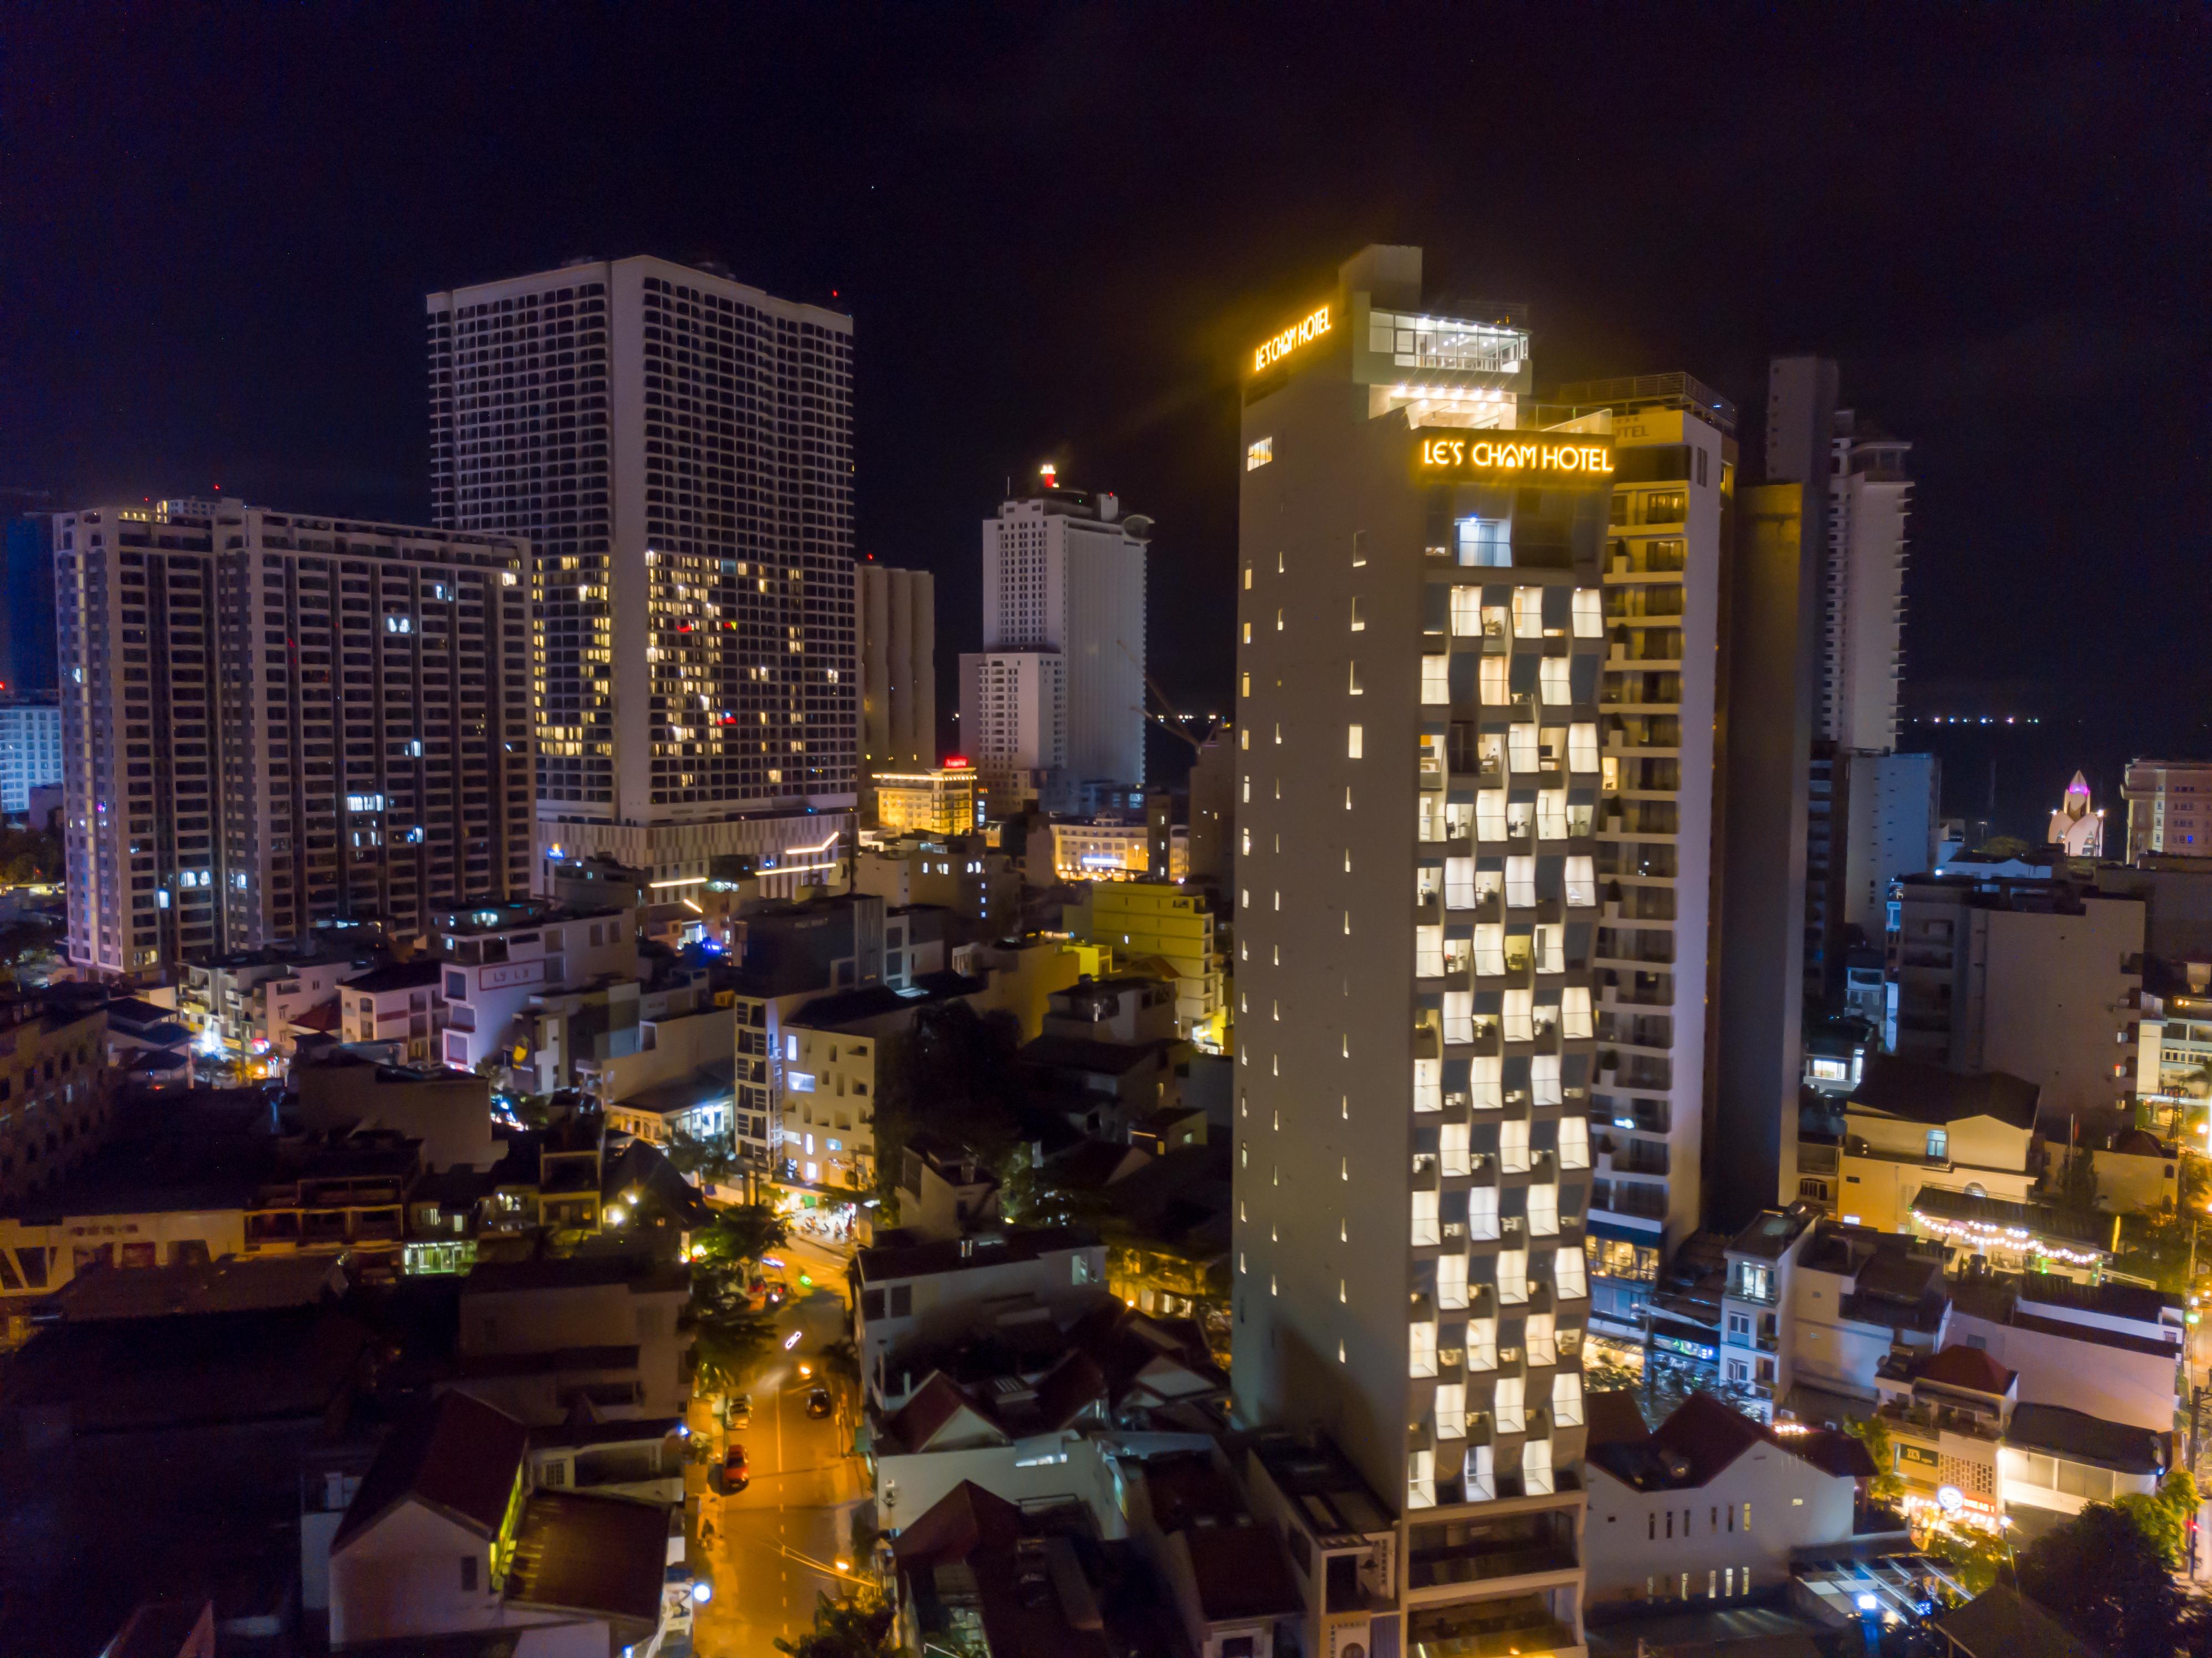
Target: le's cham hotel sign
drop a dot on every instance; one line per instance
(1537, 458)
(1303, 332)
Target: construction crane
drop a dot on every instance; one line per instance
(1164, 716)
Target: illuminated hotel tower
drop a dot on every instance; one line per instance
(1422, 613)
(677, 447)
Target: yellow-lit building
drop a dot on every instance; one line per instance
(1101, 851)
(1167, 930)
(940, 801)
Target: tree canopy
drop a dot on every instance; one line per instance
(2103, 1577)
(858, 1626)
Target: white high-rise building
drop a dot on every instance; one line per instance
(1013, 721)
(1064, 575)
(1862, 587)
(272, 720)
(1423, 656)
(678, 448)
(30, 751)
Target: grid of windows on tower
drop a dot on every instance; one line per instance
(520, 442)
(747, 486)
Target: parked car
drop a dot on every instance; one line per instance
(818, 1403)
(739, 1412)
(736, 1472)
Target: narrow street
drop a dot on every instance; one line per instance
(771, 1550)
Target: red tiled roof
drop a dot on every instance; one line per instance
(1710, 1433)
(1075, 1384)
(935, 1403)
(1613, 1417)
(1969, 1368)
(459, 1456)
(966, 1518)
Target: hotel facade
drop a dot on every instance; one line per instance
(677, 447)
(1422, 619)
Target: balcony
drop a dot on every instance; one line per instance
(1489, 1628)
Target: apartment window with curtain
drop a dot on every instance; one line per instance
(1513, 1277)
(1466, 612)
(1528, 612)
(1436, 682)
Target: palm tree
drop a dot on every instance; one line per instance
(728, 1344)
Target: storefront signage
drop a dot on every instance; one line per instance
(1304, 331)
(1912, 1456)
(1572, 460)
(1696, 1350)
(511, 974)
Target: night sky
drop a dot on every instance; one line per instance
(1058, 230)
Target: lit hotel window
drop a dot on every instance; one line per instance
(1258, 454)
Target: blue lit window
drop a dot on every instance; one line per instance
(1485, 541)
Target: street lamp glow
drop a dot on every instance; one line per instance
(701, 1593)
(791, 1341)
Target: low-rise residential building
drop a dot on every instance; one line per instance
(1858, 1295)
(1968, 1446)
(401, 1005)
(558, 1031)
(1343, 1545)
(245, 1005)
(929, 1293)
(1106, 1060)
(199, 1176)
(1036, 1406)
(678, 1076)
(539, 1338)
(641, 1458)
(1167, 930)
(1911, 1126)
(1709, 1508)
(1762, 1262)
(960, 874)
(944, 1191)
(444, 1536)
(1227, 1576)
(496, 958)
(2112, 1350)
(2056, 1460)
(980, 1574)
(446, 1113)
(1947, 1415)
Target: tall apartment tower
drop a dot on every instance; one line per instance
(1064, 576)
(1669, 526)
(898, 670)
(272, 720)
(1419, 795)
(677, 447)
(1859, 519)
(1862, 586)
